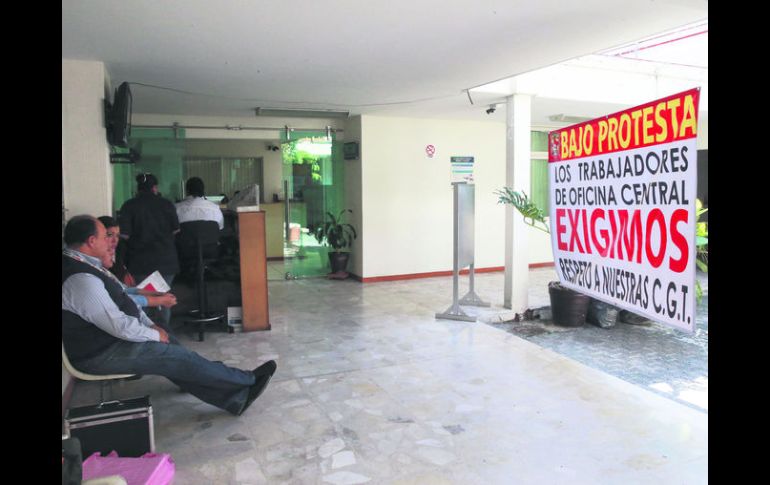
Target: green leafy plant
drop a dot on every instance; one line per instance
(292, 154)
(701, 245)
(533, 215)
(335, 233)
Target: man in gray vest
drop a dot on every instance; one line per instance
(105, 332)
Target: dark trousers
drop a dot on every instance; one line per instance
(212, 382)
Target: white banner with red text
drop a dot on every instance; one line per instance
(622, 208)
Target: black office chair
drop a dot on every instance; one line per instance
(197, 245)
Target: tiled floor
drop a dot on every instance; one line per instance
(305, 257)
(372, 388)
(310, 264)
(666, 361)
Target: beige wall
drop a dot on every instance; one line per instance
(407, 197)
(86, 172)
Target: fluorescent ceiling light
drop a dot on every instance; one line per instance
(568, 118)
(301, 113)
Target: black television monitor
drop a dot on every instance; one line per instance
(119, 117)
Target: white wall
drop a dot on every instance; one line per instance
(703, 134)
(407, 197)
(86, 172)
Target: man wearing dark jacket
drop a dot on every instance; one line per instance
(148, 223)
(104, 332)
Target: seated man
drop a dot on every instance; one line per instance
(195, 207)
(105, 332)
(118, 246)
(143, 298)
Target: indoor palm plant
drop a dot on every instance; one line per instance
(339, 236)
(568, 307)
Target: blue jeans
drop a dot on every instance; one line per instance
(161, 316)
(212, 382)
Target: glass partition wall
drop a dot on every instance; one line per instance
(312, 178)
(173, 160)
(298, 186)
(162, 151)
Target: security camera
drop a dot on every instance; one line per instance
(273, 148)
(491, 109)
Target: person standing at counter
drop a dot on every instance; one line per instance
(195, 207)
(148, 223)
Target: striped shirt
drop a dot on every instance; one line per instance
(85, 295)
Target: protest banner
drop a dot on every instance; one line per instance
(622, 208)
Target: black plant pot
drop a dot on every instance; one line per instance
(569, 307)
(338, 261)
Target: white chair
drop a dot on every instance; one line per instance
(105, 379)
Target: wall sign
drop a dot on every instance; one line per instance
(462, 169)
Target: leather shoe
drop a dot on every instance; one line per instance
(263, 374)
(266, 368)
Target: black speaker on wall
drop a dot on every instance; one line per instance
(350, 150)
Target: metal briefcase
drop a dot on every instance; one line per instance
(123, 426)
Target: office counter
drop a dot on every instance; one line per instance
(253, 264)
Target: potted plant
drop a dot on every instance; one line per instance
(701, 245)
(568, 307)
(338, 235)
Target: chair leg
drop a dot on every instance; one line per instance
(102, 385)
(203, 312)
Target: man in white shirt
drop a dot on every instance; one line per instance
(195, 207)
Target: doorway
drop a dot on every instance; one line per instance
(312, 185)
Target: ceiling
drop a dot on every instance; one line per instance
(397, 57)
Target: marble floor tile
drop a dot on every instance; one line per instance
(372, 388)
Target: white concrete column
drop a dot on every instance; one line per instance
(517, 176)
(86, 170)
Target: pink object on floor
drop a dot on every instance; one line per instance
(148, 469)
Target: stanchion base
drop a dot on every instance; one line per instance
(472, 299)
(455, 313)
